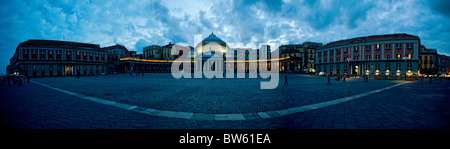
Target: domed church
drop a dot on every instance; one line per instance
(213, 52)
(211, 45)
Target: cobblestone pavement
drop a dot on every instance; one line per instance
(162, 91)
(412, 105)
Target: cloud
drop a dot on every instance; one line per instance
(440, 6)
(136, 24)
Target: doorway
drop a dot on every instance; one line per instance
(68, 70)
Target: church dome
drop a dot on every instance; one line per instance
(212, 44)
(213, 39)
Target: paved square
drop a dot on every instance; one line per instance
(160, 101)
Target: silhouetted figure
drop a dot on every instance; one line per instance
(285, 80)
(329, 83)
(27, 76)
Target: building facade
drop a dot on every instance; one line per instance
(152, 52)
(41, 58)
(114, 54)
(386, 55)
(211, 51)
(301, 57)
(428, 61)
(443, 64)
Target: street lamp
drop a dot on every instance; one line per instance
(406, 58)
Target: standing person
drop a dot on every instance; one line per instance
(329, 83)
(344, 77)
(285, 80)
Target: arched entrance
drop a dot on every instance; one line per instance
(68, 70)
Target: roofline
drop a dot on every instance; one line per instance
(372, 38)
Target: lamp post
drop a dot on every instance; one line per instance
(406, 58)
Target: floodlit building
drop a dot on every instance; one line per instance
(387, 55)
(41, 58)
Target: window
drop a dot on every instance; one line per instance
(399, 56)
(409, 66)
(388, 66)
(399, 45)
(331, 67)
(377, 57)
(377, 66)
(409, 45)
(345, 67)
(42, 67)
(388, 56)
(356, 49)
(368, 57)
(368, 47)
(388, 46)
(377, 46)
(409, 56)
(398, 66)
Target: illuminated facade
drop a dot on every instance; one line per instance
(211, 51)
(41, 58)
(377, 56)
(428, 61)
(302, 57)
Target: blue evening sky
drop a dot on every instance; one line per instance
(140, 23)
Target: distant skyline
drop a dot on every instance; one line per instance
(136, 24)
